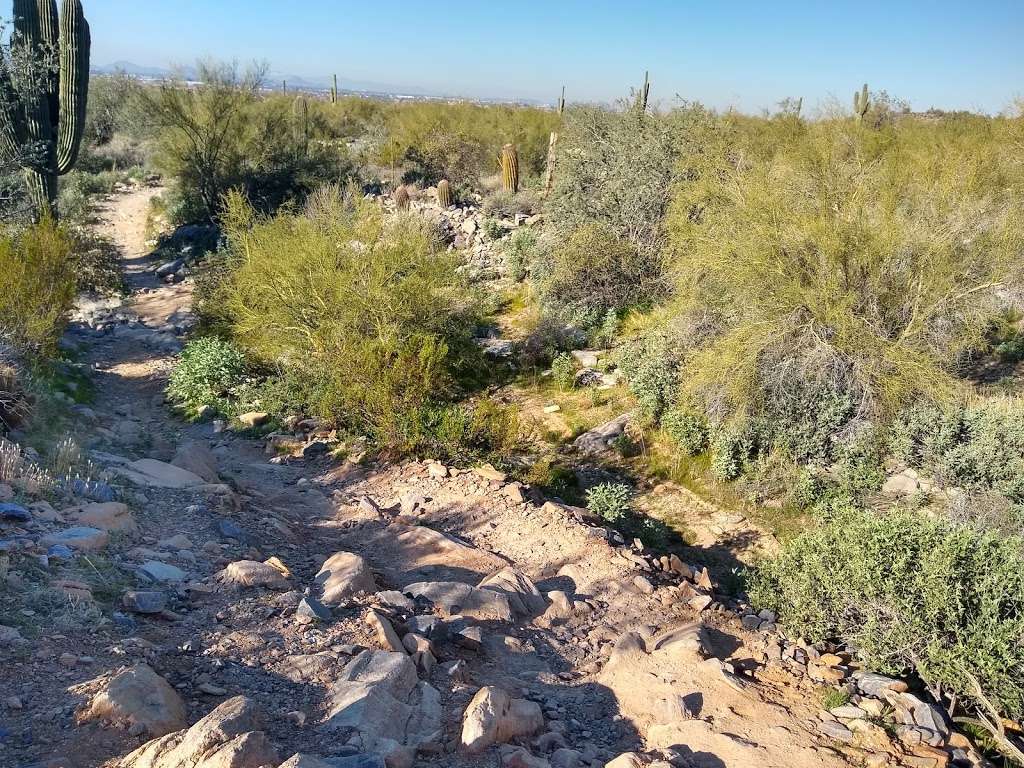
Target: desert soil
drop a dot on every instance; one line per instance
(218, 640)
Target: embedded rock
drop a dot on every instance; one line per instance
(228, 737)
(380, 706)
(522, 594)
(342, 576)
(158, 474)
(197, 458)
(107, 516)
(453, 598)
(80, 538)
(252, 573)
(494, 717)
(139, 696)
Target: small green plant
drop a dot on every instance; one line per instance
(833, 697)
(610, 501)
(687, 429)
(206, 372)
(563, 370)
(493, 229)
(519, 252)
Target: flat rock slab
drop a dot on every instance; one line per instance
(107, 516)
(80, 538)
(453, 598)
(414, 553)
(155, 571)
(158, 474)
(252, 573)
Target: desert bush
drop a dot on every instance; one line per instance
(206, 372)
(462, 142)
(519, 250)
(221, 135)
(370, 310)
(686, 428)
(610, 501)
(111, 108)
(37, 271)
(650, 364)
(591, 272)
(979, 447)
(843, 259)
(910, 593)
(563, 369)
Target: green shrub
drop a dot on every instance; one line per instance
(493, 229)
(610, 501)
(911, 593)
(563, 370)
(687, 429)
(37, 271)
(650, 365)
(519, 252)
(731, 448)
(841, 257)
(590, 272)
(370, 311)
(206, 373)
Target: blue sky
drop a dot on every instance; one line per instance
(743, 54)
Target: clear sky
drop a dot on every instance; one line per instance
(734, 53)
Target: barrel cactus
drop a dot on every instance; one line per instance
(401, 198)
(509, 169)
(47, 125)
(444, 193)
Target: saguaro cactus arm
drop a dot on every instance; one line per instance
(75, 42)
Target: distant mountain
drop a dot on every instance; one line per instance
(274, 79)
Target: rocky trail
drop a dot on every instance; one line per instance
(235, 608)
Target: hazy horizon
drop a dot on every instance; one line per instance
(749, 56)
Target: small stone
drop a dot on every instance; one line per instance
(253, 419)
(156, 571)
(212, 690)
(642, 583)
(835, 730)
(144, 601)
(311, 608)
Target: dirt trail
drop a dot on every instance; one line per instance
(413, 523)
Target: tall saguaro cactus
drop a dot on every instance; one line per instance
(46, 124)
(643, 93)
(300, 112)
(861, 102)
(444, 193)
(334, 91)
(549, 174)
(509, 169)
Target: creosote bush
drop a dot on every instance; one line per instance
(368, 311)
(610, 501)
(37, 271)
(912, 594)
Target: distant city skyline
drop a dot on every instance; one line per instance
(742, 54)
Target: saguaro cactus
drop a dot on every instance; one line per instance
(643, 93)
(401, 198)
(549, 173)
(334, 91)
(47, 125)
(444, 193)
(509, 169)
(301, 123)
(861, 102)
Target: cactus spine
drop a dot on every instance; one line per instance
(53, 120)
(444, 193)
(401, 198)
(509, 169)
(861, 102)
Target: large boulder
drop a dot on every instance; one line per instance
(139, 696)
(379, 705)
(343, 575)
(494, 717)
(602, 437)
(452, 598)
(228, 737)
(80, 538)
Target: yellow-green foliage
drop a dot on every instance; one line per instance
(370, 310)
(37, 272)
(463, 142)
(865, 260)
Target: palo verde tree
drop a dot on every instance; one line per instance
(44, 86)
